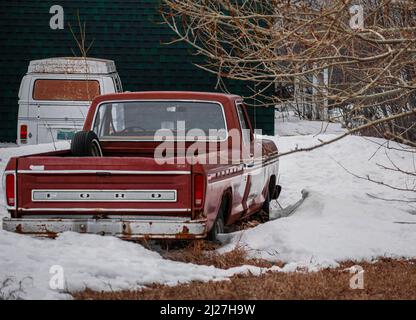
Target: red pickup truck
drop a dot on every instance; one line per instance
(153, 165)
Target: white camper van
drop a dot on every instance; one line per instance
(55, 94)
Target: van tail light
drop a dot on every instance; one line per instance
(11, 190)
(23, 133)
(199, 186)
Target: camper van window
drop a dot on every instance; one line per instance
(66, 90)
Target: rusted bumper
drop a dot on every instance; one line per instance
(131, 229)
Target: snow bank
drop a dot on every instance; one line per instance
(288, 124)
(322, 170)
(96, 262)
(342, 219)
(326, 229)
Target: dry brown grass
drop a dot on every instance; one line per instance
(385, 279)
(203, 252)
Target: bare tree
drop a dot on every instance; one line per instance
(81, 39)
(295, 42)
(312, 48)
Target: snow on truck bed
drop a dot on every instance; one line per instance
(338, 221)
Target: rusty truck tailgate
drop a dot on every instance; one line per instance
(63, 186)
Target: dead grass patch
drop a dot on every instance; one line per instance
(204, 253)
(385, 279)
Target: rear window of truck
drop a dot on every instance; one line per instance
(160, 120)
(65, 90)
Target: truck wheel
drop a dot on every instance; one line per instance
(219, 225)
(266, 208)
(86, 144)
(266, 203)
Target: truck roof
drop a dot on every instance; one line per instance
(72, 65)
(174, 95)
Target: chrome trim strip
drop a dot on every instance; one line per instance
(260, 165)
(225, 179)
(109, 216)
(79, 120)
(161, 100)
(246, 171)
(100, 171)
(98, 210)
(76, 195)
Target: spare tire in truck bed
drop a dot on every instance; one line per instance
(86, 144)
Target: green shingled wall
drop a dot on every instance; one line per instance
(126, 31)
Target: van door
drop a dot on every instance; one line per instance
(61, 105)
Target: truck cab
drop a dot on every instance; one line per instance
(55, 94)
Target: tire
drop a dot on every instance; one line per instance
(266, 203)
(219, 224)
(266, 208)
(86, 144)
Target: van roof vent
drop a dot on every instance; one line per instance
(72, 65)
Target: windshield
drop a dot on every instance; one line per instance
(160, 120)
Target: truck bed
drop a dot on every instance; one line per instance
(120, 185)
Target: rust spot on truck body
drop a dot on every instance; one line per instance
(44, 232)
(185, 235)
(19, 228)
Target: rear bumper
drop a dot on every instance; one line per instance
(128, 229)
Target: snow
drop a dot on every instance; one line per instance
(288, 124)
(341, 219)
(326, 230)
(338, 221)
(7, 144)
(96, 262)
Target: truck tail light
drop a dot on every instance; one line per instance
(199, 185)
(11, 190)
(23, 133)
